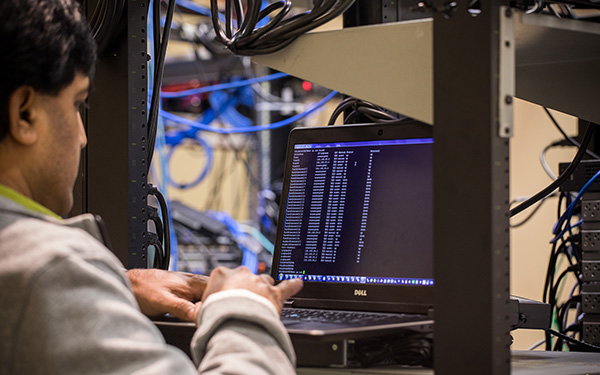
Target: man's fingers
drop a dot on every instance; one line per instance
(197, 280)
(267, 279)
(289, 288)
(179, 308)
(197, 284)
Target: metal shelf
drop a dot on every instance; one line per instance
(558, 64)
(392, 64)
(389, 64)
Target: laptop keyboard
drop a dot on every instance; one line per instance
(340, 317)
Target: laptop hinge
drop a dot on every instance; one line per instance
(288, 303)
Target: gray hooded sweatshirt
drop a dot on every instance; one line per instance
(66, 307)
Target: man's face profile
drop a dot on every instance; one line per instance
(52, 158)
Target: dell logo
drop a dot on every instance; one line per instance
(360, 292)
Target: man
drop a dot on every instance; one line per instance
(67, 305)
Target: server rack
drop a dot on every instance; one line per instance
(113, 178)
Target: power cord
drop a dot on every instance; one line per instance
(576, 344)
(373, 112)
(163, 247)
(567, 138)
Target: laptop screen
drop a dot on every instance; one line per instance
(358, 211)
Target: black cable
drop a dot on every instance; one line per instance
(556, 285)
(581, 3)
(580, 344)
(564, 249)
(551, 261)
(159, 65)
(535, 210)
(158, 254)
(563, 177)
(248, 145)
(569, 139)
(551, 286)
(246, 162)
(153, 216)
(563, 312)
(248, 39)
(166, 228)
(227, 171)
(156, 27)
(220, 163)
(374, 113)
(549, 280)
(357, 105)
(550, 274)
(105, 20)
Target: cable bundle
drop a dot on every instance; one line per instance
(162, 239)
(360, 107)
(566, 242)
(105, 21)
(562, 178)
(244, 34)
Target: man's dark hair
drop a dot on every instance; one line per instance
(44, 44)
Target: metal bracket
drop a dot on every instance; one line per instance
(507, 72)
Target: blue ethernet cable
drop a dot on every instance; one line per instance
(222, 86)
(248, 129)
(566, 217)
(208, 150)
(195, 7)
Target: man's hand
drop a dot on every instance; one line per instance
(222, 278)
(159, 292)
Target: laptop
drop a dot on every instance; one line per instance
(355, 224)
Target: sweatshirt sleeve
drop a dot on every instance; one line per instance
(240, 332)
(81, 318)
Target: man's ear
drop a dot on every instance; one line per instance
(21, 115)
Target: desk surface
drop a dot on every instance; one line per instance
(523, 363)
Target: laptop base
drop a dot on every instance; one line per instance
(413, 347)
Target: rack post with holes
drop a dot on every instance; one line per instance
(470, 161)
(113, 174)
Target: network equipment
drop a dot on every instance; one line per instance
(587, 303)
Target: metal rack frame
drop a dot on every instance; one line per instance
(465, 69)
(113, 174)
(471, 176)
